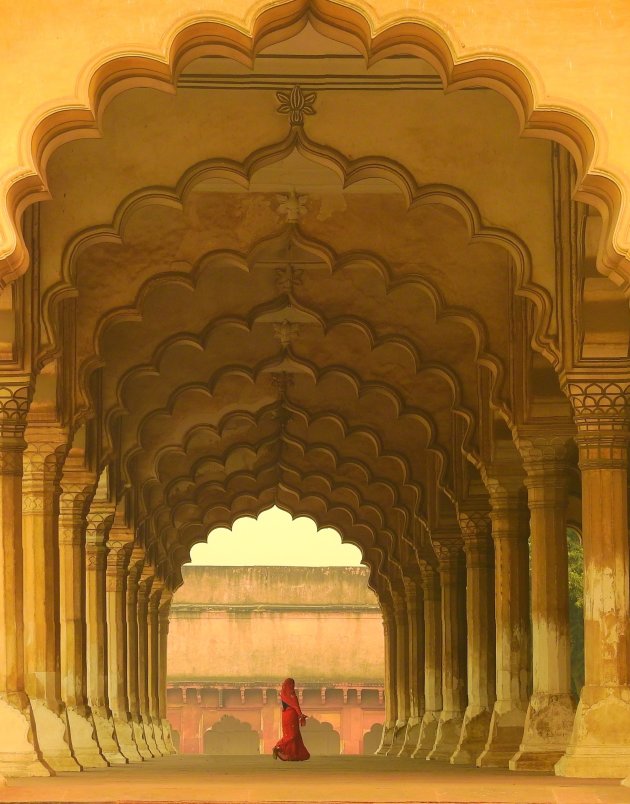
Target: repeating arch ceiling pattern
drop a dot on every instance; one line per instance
(341, 352)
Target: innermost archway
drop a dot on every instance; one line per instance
(275, 597)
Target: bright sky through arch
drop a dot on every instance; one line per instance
(275, 539)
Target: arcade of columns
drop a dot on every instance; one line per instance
(315, 280)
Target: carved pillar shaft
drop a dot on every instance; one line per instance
(432, 659)
(551, 701)
(415, 629)
(116, 605)
(510, 530)
(600, 741)
(402, 660)
(18, 754)
(132, 638)
(452, 567)
(391, 702)
(40, 511)
(96, 648)
(77, 491)
(73, 506)
(481, 645)
(153, 655)
(164, 611)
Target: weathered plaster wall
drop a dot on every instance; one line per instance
(266, 623)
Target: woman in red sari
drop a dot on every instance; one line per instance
(290, 747)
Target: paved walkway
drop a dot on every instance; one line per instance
(331, 779)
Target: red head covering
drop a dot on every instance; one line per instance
(287, 694)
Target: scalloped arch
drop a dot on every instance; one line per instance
(189, 38)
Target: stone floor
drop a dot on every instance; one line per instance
(331, 779)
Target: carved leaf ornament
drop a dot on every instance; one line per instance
(296, 104)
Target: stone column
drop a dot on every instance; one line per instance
(401, 625)
(98, 523)
(119, 545)
(415, 621)
(18, 749)
(600, 741)
(142, 613)
(77, 491)
(448, 548)
(391, 704)
(133, 576)
(432, 659)
(510, 530)
(551, 708)
(153, 662)
(164, 612)
(480, 628)
(40, 508)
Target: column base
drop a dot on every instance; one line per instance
(505, 735)
(52, 733)
(547, 732)
(106, 738)
(600, 743)
(149, 736)
(398, 741)
(18, 756)
(426, 738)
(412, 734)
(124, 737)
(386, 740)
(139, 739)
(159, 737)
(83, 739)
(473, 736)
(447, 737)
(168, 736)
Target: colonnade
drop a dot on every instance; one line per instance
(477, 669)
(83, 613)
(481, 636)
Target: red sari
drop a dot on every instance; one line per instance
(290, 747)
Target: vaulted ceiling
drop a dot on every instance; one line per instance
(317, 283)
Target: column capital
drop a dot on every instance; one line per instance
(99, 520)
(545, 448)
(600, 402)
(447, 545)
(16, 395)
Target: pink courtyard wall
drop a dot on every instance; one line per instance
(237, 632)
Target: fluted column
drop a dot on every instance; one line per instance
(415, 628)
(481, 664)
(142, 614)
(551, 708)
(98, 523)
(18, 749)
(40, 509)
(153, 662)
(391, 704)
(431, 595)
(119, 544)
(510, 530)
(600, 740)
(133, 576)
(401, 625)
(77, 491)
(164, 613)
(448, 548)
